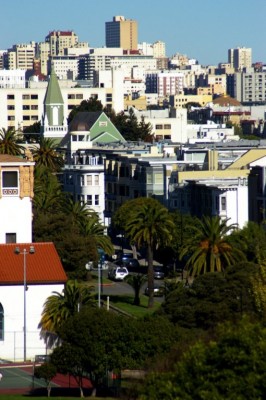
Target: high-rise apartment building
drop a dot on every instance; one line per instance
(21, 56)
(122, 32)
(60, 40)
(240, 58)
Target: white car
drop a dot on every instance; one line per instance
(117, 273)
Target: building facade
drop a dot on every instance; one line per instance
(122, 32)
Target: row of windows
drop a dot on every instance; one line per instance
(90, 200)
(24, 118)
(83, 180)
(24, 107)
(24, 97)
(161, 126)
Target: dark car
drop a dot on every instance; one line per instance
(158, 272)
(158, 291)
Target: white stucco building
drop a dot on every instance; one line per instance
(26, 280)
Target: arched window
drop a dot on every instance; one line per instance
(1, 322)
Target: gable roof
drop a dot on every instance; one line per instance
(84, 120)
(42, 267)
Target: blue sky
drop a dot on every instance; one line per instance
(202, 29)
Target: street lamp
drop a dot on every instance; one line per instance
(101, 258)
(25, 252)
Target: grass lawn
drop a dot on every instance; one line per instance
(125, 303)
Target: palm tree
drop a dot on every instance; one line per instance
(91, 227)
(150, 225)
(60, 306)
(77, 211)
(136, 281)
(209, 249)
(47, 191)
(9, 142)
(46, 155)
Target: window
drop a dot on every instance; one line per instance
(10, 183)
(34, 96)
(11, 118)
(96, 180)
(26, 117)
(25, 107)
(103, 123)
(89, 199)
(34, 107)
(223, 203)
(89, 180)
(26, 97)
(158, 127)
(11, 238)
(71, 96)
(96, 199)
(10, 97)
(79, 96)
(11, 107)
(1, 322)
(167, 126)
(82, 181)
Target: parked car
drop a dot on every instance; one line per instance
(158, 272)
(117, 273)
(158, 291)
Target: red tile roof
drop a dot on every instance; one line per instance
(44, 266)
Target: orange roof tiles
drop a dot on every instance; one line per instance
(42, 267)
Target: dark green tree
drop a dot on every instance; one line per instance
(230, 366)
(136, 281)
(9, 142)
(149, 225)
(46, 155)
(209, 248)
(213, 298)
(59, 307)
(46, 371)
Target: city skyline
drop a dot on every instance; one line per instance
(203, 30)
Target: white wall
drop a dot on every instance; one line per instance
(12, 300)
(16, 217)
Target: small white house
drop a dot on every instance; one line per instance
(29, 273)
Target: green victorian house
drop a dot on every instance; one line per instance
(89, 133)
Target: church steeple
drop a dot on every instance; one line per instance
(53, 102)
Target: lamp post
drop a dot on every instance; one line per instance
(100, 266)
(25, 252)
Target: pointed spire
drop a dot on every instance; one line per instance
(53, 101)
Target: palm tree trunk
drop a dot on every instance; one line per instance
(150, 276)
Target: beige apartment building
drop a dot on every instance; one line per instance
(21, 56)
(22, 107)
(60, 40)
(240, 58)
(122, 32)
(180, 100)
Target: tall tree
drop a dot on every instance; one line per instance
(9, 142)
(136, 281)
(60, 306)
(149, 225)
(46, 155)
(209, 248)
(92, 227)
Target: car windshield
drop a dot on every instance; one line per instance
(122, 270)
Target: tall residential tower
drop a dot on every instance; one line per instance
(122, 32)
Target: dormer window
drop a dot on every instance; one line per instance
(10, 183)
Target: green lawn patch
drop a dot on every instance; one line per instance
(125, 303)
